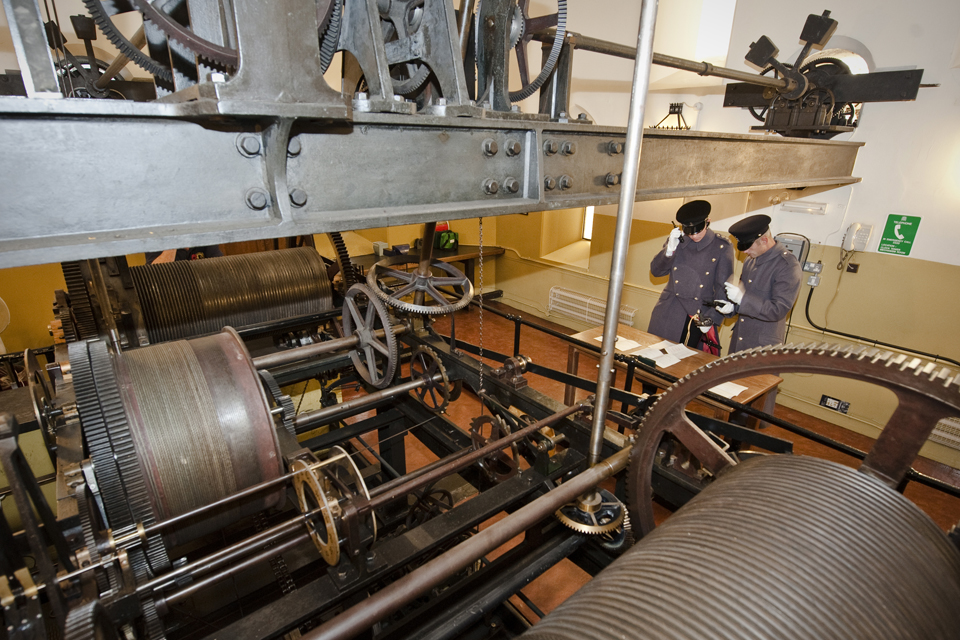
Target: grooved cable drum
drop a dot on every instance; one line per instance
(197, 297)
(778, 547)
(201, 427)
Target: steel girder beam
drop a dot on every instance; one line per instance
(86, 179)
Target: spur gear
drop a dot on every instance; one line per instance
(424, 366)
(524, 35)
(503, 464)
(411, 283)
(179, 33)
(374, 359)
(593, 513)
(102, 17)
(926, 393)
(348, 272)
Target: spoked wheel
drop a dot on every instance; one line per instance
(926, 393)
(426, 367)
(375, 357)
(393, 285)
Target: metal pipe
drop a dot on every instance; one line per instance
(621, 240)
(586, 43)
(297, 354)
(411, 586)
(426, 258)
(467, 8)
(306, 421)
(266, 554)
(467, 459)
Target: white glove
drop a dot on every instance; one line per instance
(734, 294)
(726, 308)
(705, 328)
(673, 241)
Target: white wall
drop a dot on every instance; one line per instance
(911, 161)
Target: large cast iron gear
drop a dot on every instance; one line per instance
(101, 16)
(594, 513)
(110, 445)
(412, 283)
(179, 33)
(89, 621)
(926, 393)
(375, 359)
(424, 365)
(531, 26)
(329, 20)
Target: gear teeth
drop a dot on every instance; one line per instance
(79, 301)
(330, 40)
(282, 400)
(148, 64)
(348, 272)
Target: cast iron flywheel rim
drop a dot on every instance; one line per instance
(363, 324)
(412, 283)
(926, 393)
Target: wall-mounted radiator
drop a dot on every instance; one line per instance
(571, 304)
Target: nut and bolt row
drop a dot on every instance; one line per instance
(490, 147)
(248, 144)
(552, 147)
(492, 187)
(258, 199)
(564, 182)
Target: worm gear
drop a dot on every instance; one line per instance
(412, 283)
(926, 393)
(375, 359)
(593, 513)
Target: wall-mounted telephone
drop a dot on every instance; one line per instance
(857, 237)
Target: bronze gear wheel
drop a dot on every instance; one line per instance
(926, 393)
(593, 513)
(311, 496)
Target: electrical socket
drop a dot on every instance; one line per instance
(853, 267)
(813, 280)
(833, 403)
(813, 267)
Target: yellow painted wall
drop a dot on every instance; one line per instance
(902, 301)
(28, 292)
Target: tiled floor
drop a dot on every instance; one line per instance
(564, 579)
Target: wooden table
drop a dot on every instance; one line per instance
(757, 387)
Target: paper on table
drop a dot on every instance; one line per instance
(728, 389)
(680, 351)
(666, 360)
(648, 352)
(623, 344)
(663, 344)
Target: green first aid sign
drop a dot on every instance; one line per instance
(899, 234)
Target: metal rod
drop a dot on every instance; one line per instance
(297, 354)
(306, 421)
(621, 240)
(138, 40)
(426, 258)
(586, 43)
(266, 554)
(436, 464)
(227, 554)
(467, 459)
(466, 14)
(411, 586)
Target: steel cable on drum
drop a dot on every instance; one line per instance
(190, 298)
(778, 547)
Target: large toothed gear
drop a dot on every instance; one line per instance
(926, 393)
(435, 302)
(374, 358)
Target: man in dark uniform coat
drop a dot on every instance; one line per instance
(698, 261)
(769, 285)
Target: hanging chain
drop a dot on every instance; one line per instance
(480, 298)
